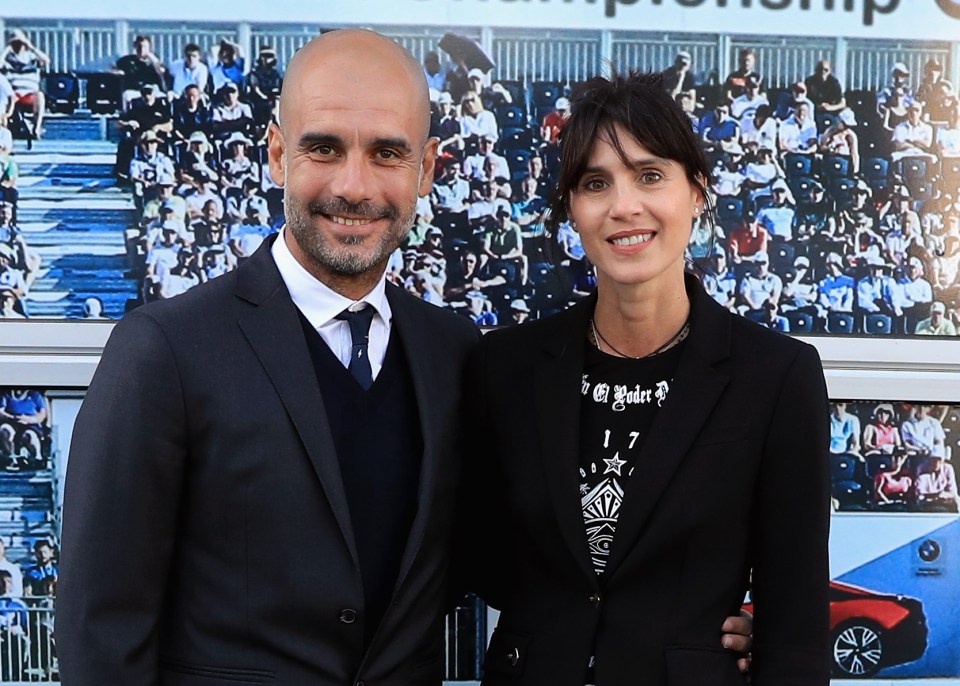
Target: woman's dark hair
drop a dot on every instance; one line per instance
(638, 103)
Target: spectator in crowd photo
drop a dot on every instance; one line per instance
(245, 236)
(749, 241)
(948, 136)
(840, 139)
(25, 259)
(903, 238)
(199, 158)
(913, 137)
(899, 86)
(486, 203)
(778, 217)
(760, 130)
(14, 628)
(823, 88)
(893, 486)
(229, 67)
(434, 72)
(491, 96)
(191, 114)
(162, 256)
(895, 111)
(745, 106)
(237, 166)
(881, 435)
(719, 280)
(188, 71)
(770, 317)
(264, 80)
(916, 293)
(554, 121)
(8, 103)
(678, 77)
(502, 243)
(208, 230)
(166, 199)
(447, 124)
(762, 172)
(11, 307)
(922, 432)
(149, 165)
(519, 311)
(475, 121)
(451, 192)
(937, 486)
(204, 190)
(529, 206)
(93, 308)
(40, 576)
(718, 129)
(877, 292)
(231, 115)
(937, 324)
(836, 290)
(814, 220)
(689, 106)
(477, 166)
(798, 134)
(736, 82)
(147, 117)
(13, 569)
(933, 86)
(140, 68)
(728, 175)
(786, 106)
(799, 289)
(12, 279)
(21, 62)
(759, 288)
(844, 430)
(181, 277)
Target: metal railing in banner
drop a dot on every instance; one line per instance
(561, 56)
(286, 40)
(72, 47)
(27, 646)
(870, 63)
(784, 60)
(657, 52)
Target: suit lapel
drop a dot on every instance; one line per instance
(419, 351)
(694, 392)
(557, 381)
(274, 332)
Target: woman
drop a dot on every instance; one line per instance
(669, 450)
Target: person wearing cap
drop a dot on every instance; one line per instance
(165, 198)
(180, 278)
(748, 240)
(913, 137)
(22, 61)
(938, 323)
(188, 71)
(519, 311)
(264, 80)
(230, 65)
(841, 139)
(861, 207)
(778, 218)
(728, 175)
(881, 435)
(475, 120)
(736, 81)
(502, 243)
(824, 89)
(485, 164)
(719, 279)
(162, 255)
(678, 77)
(204, 189)
(835, 291)
(528, 207)
(553, 122)
(149, 112)
(236, 165)
(138, 69)
(480, 309)
(915, 293)
(191, 114)
(149, 166)
(745, 106)
(445, 123)
(718, 129)
(900, 84)
(798, 134)
(814, 219)
(492, 96)
(933, 85)
(877, 292)
(760, 288)
(231, 115)
(799, 288)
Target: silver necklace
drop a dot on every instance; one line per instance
(596, 338)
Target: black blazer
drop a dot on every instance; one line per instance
(734, 478)
(206, 534)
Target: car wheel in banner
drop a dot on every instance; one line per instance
(857, 649)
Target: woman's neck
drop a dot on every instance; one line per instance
(638, 319)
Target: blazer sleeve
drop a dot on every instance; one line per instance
(791, 575)
(123, 483)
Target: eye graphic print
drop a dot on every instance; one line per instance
(950, 7)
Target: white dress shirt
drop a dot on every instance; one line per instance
(320, 305)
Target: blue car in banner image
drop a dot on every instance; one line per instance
(870, 630)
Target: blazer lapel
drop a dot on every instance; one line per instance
(419, 351)
(273, 331)
(694, 392)
(557, 381)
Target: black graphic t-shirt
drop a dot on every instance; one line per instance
(619, 400)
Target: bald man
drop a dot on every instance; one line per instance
(261, 479)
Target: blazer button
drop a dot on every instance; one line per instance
(594, 599)
(348, 616)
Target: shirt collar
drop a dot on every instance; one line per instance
(318, 302)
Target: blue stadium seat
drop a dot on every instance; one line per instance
(63, 92)
(841, 190)
(876, 173)
(834, 166)
(517, 160)
(103, 93)
(825, 120)
(800, 322)
(950, 172)
(840, 322)
(877, 324)
(797, 165)
(510, 116)
(512, 138)
(878, 463)
(781, 257)
(800, 185)
(848, 491)
(729, 211)
(912, 168)
(544, 94)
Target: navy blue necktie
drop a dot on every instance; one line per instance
(359, 322)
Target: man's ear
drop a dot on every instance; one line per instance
(427, 166)
(276, 149)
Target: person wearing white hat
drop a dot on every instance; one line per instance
(841, 139)
(877, 292)
(798, 134)
(22, 61)
(231, 114)
(938, 323)
(913, 137)
(899, 82)
(678, 77)
(236, 165)
(745, 106)
(553, 122)
(778, 218)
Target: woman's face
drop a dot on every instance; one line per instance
(634, 222)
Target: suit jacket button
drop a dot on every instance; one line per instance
(594, 599)
(348, 616)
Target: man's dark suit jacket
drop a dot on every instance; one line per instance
(733, 477)
(206, 535)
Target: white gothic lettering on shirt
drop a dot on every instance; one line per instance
(624, 396)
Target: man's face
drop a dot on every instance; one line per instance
(803, 111)
(536, 166)
(722, 112)
(485, 145)
(352, 155)
(231, 97)
(192, 58)
(747, 61)
(149, 96)
(142, 48)
(44, 554)
(779, 196)
(192, 95)
(150, 147)
(210, 211)
(823, 69)
(913, 115)
(6, 214)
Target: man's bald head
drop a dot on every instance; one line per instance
(368, 60)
